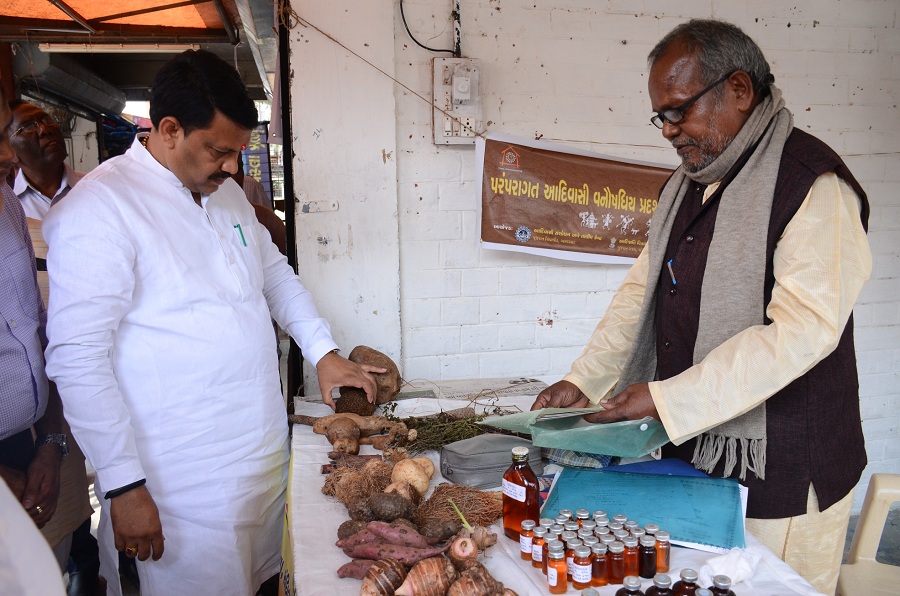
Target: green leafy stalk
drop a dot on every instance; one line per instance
(461, 516)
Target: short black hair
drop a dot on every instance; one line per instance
(193, 85)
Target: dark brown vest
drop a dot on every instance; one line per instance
(813, 425)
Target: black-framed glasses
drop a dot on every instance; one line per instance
(676, 115)
(30, 127)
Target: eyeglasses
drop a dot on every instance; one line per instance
(676, 115)
(30, 127)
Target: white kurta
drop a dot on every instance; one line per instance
(163, 351)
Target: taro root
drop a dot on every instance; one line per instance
(390, 506)
(360, 510)
(429, 577)
(475, 581)
(435, 530)
(382, 578)
(353, 399)
(349, 528)
(461, 551)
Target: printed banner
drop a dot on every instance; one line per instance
(256, 158)
(558, 202)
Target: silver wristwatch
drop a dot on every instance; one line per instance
(56, 439)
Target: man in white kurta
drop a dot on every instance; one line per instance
(162, 346)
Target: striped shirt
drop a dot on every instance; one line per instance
(23, 319)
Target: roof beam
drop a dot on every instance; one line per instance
(73, 14)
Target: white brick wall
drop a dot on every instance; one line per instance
(574, 71)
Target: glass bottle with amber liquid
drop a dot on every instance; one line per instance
(520, 493)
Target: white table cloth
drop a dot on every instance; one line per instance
(314, 519)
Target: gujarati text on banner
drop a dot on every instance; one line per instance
(563, 204)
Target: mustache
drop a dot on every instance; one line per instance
(220, 176)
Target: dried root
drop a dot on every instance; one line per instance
(348, 484)
(477, 506)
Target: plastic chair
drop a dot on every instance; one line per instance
(863, 575)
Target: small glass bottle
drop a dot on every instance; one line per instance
(581, 568)
(570, 555)
(520, 493)
(639, 533)
(548, 544)
(647, 557)
(558, 528)
(721, 586)
(567, 513)
(537, 547)
(651, 529)
(663, 551)
(598, 513)
(632, 563)
(620, 518)
(687, 585)
(526, 539)
(662, 586)
(631, 587)
(590, 540)
(545, 522)
(556, 571)
(581, 515)
(615, 562)
(588, 524)
(572, 526)
(630, 525)
(621, 535)
(568, 535)
(598, 565)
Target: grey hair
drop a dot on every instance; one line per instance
(720, 48)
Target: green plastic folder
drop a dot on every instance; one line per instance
(564, 428)
(702, 513)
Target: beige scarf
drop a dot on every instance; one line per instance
(733, 281)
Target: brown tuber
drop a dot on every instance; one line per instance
(382, 578)
(429, 577)
(475, 581)
(461, 551)
(388, 383)
(390, 506)
(349, 528)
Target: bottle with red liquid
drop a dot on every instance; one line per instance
(520, 494)
(687, 586)
(721, 586)
(631, 586)
(662, 586)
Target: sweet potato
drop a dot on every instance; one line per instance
(359, 538)
(383, 550)
(356, 568)
(397, 534)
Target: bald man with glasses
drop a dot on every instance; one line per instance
(734, 328)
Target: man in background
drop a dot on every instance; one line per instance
(44, 176)
(733, 327)
(163, 282)
(28, 402)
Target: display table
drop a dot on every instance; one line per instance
(313, 519)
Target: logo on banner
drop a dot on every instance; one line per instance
(523, 234)
(509, 159)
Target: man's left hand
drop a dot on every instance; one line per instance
(336, 372)
(632, 404)
(42, 485)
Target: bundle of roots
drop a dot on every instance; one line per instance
(477, 506)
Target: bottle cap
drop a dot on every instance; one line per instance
(558, 528)
(621, 534)
(616, 547)
(703, 592)
(602, 521)
(599, 549)
(540, 532)
(556, 553)
(561, 519)
(607, 539)
(723, 582)
(599, 513)
(662, 536)
(555, 545)
(689, 575)
(582, 513)
(614, 525)
(571, 544)
(600, 530)
(639, 533)
(651, 528)
(590, 592)
(588, 525)
(649, 541)
(630, 525)
(630, 542)
(527, 524)
(568, 535)
(662, 580)
(585, 532)
(520, 451)
(546, 522)
(582, 551)
(566, 512)
(590, 540)
(572, 525)
(620, 517)
(631, 582)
